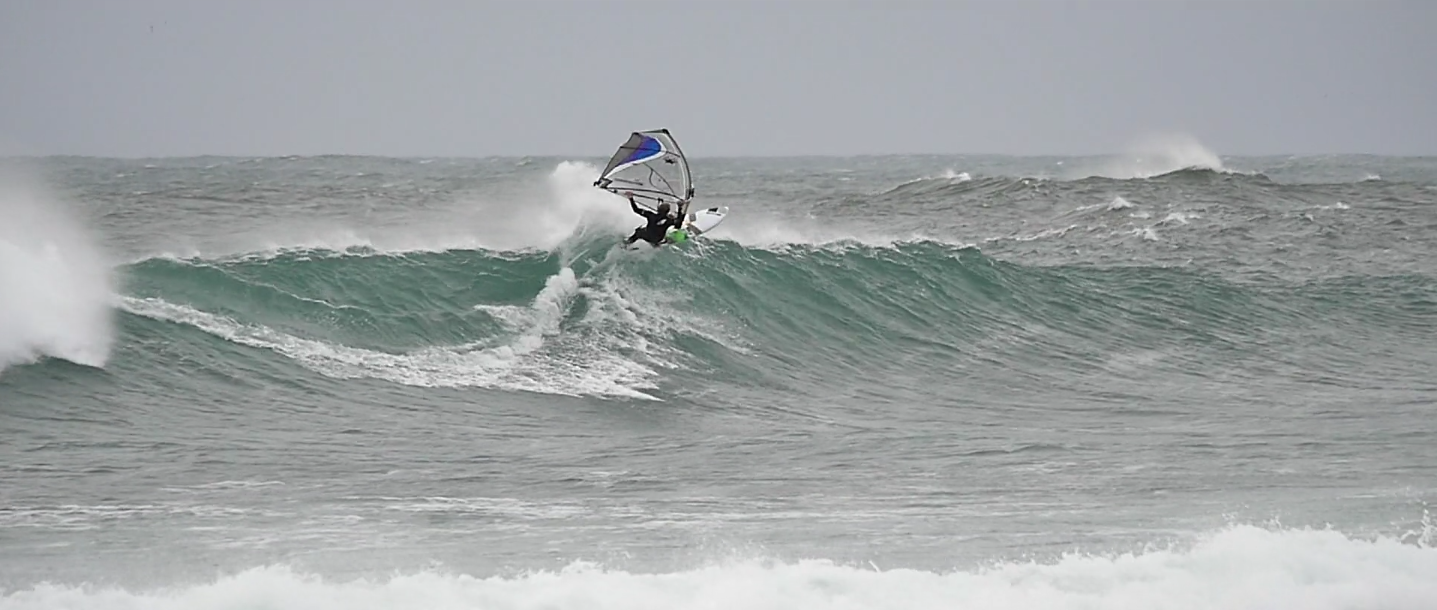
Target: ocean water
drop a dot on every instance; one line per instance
(1171, 380)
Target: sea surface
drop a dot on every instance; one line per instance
(1169, 380)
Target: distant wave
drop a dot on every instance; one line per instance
(998, 188)
(1192, 174)
(1151, 156)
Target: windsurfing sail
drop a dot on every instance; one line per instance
(651, 166)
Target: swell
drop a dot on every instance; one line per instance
(788, 319)
(925, 306)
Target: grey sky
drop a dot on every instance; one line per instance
(470, 78)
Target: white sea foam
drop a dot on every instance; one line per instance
(1236, 569)
(54, 282)
(956, 176)
(1145, 233)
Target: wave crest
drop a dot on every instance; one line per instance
(1154, 156)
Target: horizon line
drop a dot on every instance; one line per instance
(696, 157)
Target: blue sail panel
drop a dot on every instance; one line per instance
(647, 148)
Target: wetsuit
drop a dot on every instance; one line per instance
(655, 230)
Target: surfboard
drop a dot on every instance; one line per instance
(703, 221)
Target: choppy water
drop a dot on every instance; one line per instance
(890, 382)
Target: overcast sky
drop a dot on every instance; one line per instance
(472, 78)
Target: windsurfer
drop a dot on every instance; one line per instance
(656, 227)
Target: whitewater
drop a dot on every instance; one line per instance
(1161, 379)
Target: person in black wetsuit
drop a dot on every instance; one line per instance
(657, 227)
